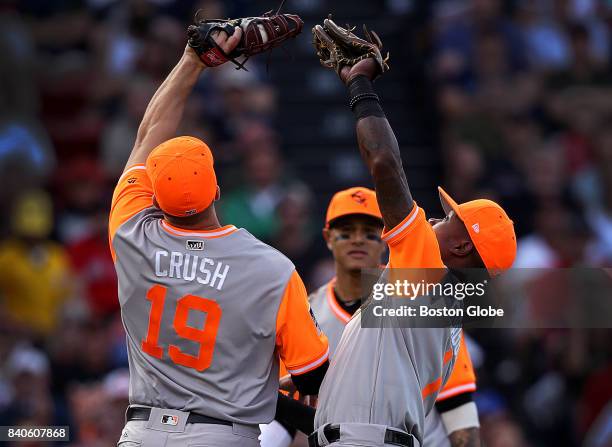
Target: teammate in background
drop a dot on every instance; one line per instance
(206, 308)
(353, 225)
(399, 371)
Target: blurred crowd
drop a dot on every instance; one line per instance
(524, 102)
(75, 79)
(524, 94)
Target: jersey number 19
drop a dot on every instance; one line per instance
(205, 337)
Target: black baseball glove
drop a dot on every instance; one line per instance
(338, 47)
(259, 34)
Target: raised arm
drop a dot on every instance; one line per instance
(380, 151)
(165, 110)
(358, 62)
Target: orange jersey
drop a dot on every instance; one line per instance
(420, 250)
(462, 378)
(296, 340)
(132, 195)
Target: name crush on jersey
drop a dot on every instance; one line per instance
(190, 267)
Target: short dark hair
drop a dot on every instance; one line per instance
(186, 221)
(342, 220)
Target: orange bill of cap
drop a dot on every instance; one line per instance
(489, 227)
(356, 200)
(183, 177)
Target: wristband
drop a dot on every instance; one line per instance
(461, 418)
(363, 100)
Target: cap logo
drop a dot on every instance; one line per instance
(476, 228)
(168, 419)
(359, 197)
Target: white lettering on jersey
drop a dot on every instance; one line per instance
(187, 276)
(176, 261)
(190, 267)
(205, 271)
(219, 276)
(158, 270)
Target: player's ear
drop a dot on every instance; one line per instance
(462, 248)
(327, 237)
(218, 193)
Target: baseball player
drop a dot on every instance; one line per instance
(398, 371)
(208, 309)
(353, 225)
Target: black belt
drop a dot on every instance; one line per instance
(332, 434)
(143, 414)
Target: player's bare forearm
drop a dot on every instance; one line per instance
(380, 151)
(165, 110)
(467, 437)
(358, 62)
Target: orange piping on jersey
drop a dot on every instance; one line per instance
(431, 388)
(208, 234)
(448, 355)
(133, 168)
(312, 365)
(338, 311)
(468, 387)
(395, 233)
(436, 384)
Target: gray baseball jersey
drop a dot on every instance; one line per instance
(206, 312)
(332, 319)
(396, 373)
(329, 314)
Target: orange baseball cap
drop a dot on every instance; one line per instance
(183, 177)
(357, 200)
(490, 229)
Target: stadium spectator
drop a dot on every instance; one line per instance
(296, 235)
(93, 266)
(35, 277)
(82, 191)
(253, 205)
(30, 402)
(120, 133)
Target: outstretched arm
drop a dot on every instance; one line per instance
(165, 110)
(379, 150)
(358, 62)
(377, 144)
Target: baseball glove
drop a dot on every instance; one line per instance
(259, 34)
(337, 47)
